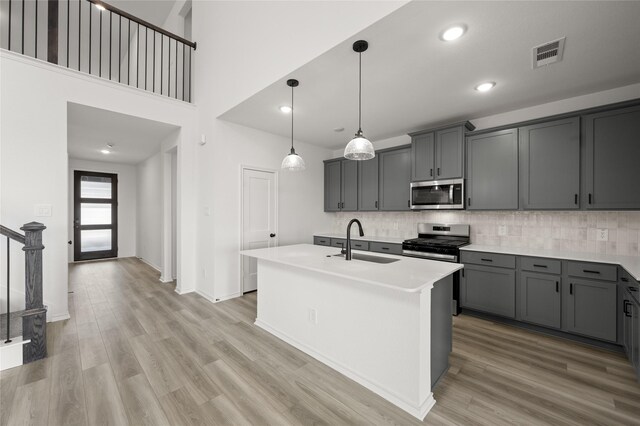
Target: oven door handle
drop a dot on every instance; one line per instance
(434, 256)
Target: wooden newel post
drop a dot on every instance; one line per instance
(34, 326)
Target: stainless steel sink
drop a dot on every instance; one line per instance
(368, 258)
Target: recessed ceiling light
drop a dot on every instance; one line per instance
(100, 7)
(485, 87)
(105, 151)
(453, 33)
(285, 108)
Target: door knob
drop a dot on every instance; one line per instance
(272, 235)
(69, 242)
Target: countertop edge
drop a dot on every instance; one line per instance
(356, 237)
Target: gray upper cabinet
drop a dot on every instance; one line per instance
(492, 171)
(590, 308)
(550, 165)
(349, 185)
(395, 176)
(332, 186)
(368, 184)
(340, 185)
(449, 153)
(540, 299)
(423, 158)
(612, 153)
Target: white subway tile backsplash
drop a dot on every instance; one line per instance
(573, 231)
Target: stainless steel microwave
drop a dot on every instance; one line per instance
(437, 194)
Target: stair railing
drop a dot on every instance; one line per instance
(34, 316)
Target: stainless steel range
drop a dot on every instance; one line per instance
(440, 241)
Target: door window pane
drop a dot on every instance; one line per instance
(95, 214)
(95, 240)
(95, 187)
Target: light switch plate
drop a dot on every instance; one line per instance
(42, 210)
(602, 235)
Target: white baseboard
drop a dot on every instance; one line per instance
(58, 317)
(420, 411)
(219, 299)
(181, 292)
(157, 268)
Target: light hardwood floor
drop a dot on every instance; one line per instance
(136, 352)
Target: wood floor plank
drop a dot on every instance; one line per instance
(123, 361)
(140, 402)
(158, 368)
(104, 404)
(31, 404)
(67, 403)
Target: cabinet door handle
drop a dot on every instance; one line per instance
(571, 288)
(469, 201)
(487, 260)
(408, 203)
(557, 286)
(384, 248)
(540, 266)
(589, 198)
(624, 279)
(438, 171)
(588, 271)
(430, 172)
(575, 199)
(338, 205)
(624, 308)
(376, 204)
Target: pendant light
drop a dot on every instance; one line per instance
(359, 148)
(293, 162)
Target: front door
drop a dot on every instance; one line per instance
(258, 220)
(95, 220)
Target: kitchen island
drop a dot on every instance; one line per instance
(385, 325)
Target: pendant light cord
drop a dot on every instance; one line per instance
(360, 93)
(292, 119)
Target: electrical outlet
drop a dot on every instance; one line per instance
(42, 210)
(502, 230)
(313, 316)
(602, 235)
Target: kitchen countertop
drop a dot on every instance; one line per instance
(630, 263)
(355, 236)
(407, 274)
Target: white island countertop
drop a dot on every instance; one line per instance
(630, 263)
(407, 274)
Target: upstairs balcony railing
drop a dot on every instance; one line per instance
(99, 39)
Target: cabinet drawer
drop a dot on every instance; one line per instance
(339, 242)
(489, 259)
(322, 241)
(385, 248)
(626, 278)
(360, 245)
(593, 270)
(541, 264)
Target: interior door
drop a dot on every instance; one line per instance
(95, 215)
(258, 220)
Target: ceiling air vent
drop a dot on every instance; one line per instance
(548, 53)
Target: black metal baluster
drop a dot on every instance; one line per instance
(9, 46)
(8, 292)
(68, 27)
(169, 67)
(79, 28)
(146, 53)
(100, 46)
(119, 49)
(176, 78)
(23, 27)
(184, 80)
(129, 55)
(189, 75)
(154, 61)
(110, 39)
(161, 59)
(90, 31)
(138, 59)
(36, 41)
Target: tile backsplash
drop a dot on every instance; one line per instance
(572, 231)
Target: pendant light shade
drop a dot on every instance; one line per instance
(359, 148)
(292, 162)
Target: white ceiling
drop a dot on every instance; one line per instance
(135, 139)
(412, 80)
(153, 11)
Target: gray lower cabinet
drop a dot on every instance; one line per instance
(394, 179)
(423, 158)
(489, 289)
(611, 159)
(540, 301)
(550, 165)
(630, 330)
(321, 241)
(589, 307)
(340, 185)
(492, 171)
(368, 185)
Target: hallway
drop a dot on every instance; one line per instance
(134, 352)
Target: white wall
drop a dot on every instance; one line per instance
(239, 53)
(150, 210)
(126, 202)
(34, 165)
